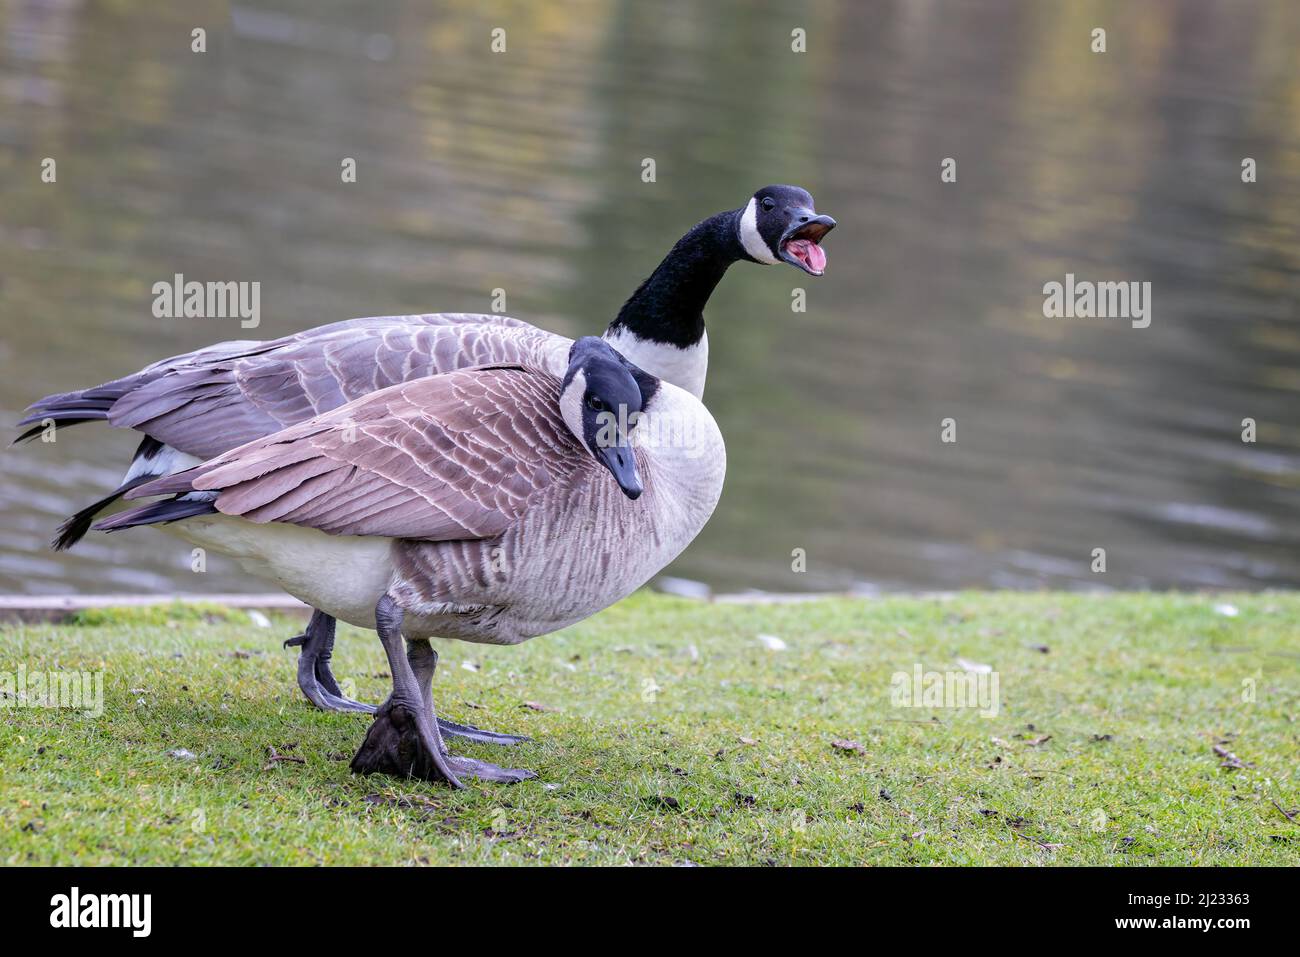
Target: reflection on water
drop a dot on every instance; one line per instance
(522, 171)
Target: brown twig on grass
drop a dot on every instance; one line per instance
(273, 757)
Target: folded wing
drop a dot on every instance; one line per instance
(455, 456)
(214, 399)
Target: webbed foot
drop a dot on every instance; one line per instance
(405, 738)
(471, 733)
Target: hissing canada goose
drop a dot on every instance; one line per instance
(473, 505)
(198, 405)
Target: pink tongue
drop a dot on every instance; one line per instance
(812, 254)
(816, 257)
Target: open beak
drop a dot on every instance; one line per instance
(801, 244)
(622, 465)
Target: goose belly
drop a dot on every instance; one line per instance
(565, 561)
(342, 575)
(574, 580)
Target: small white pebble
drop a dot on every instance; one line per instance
(182, 754)
(469, 666)
(974, 667)
(684, 588)
(772, 642)
(258, 619)
(1227, 610)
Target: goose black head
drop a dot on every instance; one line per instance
(602, 399)
(780, 225)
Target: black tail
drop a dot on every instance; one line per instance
(40, 427)
(172, 510)
(76, 527)
(70, 408)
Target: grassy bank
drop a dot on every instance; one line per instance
(670, 732)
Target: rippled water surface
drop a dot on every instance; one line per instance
(522, 171)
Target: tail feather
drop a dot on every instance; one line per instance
(76, 527)
(63, 417)
(177, 483)
(70, 408)
(171, 510)
(91, 403)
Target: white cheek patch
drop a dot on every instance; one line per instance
(750, 238)
(571, 405)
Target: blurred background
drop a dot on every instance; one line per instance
(522, 171)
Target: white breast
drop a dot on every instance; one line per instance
(684, 368)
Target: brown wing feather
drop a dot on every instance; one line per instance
(455, 456)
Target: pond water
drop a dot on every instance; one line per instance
(522, 171)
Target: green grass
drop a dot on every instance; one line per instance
(679, 737)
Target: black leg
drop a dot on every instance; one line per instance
(424, 660)
(404, 739)
(316, 680)
(314, 675)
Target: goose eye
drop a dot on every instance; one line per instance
(769, 203)
(595, 403)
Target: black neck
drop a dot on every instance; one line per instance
(669, 306)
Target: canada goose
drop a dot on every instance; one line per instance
(196, 406)
(470, 505)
